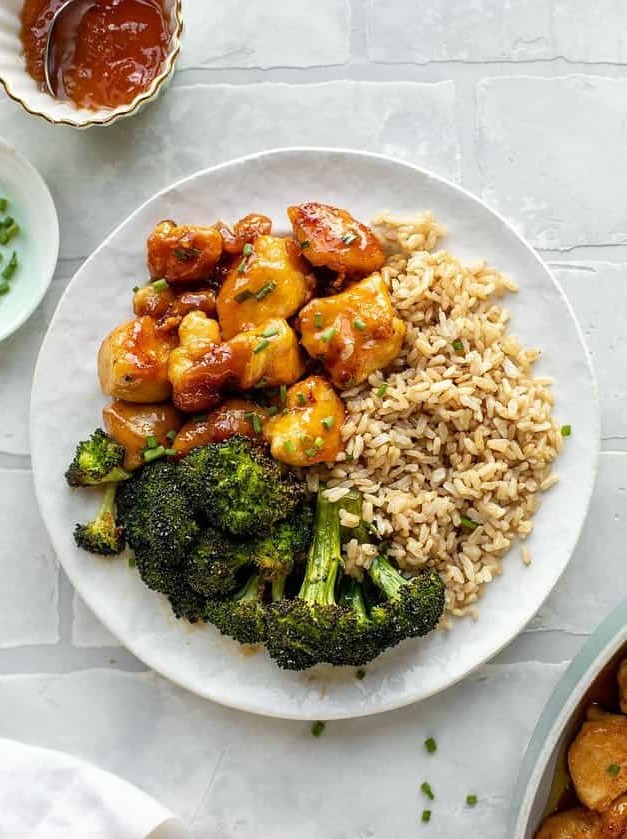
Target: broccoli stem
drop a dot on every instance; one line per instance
(278, 587)
(353, 598)
(386, 577)
(324, 559)
(253, 590)
(107, 508)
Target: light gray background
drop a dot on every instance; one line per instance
(523, 102)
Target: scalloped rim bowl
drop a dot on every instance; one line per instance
(22, 88)
(554, 726)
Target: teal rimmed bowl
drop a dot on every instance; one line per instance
(37, 245)
(559, 723)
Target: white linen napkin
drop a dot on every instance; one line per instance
(49, 795)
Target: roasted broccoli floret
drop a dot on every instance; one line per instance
(316, 626)
(410, 607)
(161, 529)
(301, 631)
(213, 565)
(239, 487)
(275, 552)
(97, 461)
(102, 535)
(243, 615)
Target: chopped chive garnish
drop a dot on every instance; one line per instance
(613, 769)
(131, 562)
(186, 254)
(135, 289)
(381, 390)
(247, 249)
(302, 399)
(242, 266)
(170, 452)
(199, 418)
(311, 452)
(261, 383)
(270, 332)
(567, 430)
(359, 324)
(318, 443)
(469, 524)
(347, 238)
(304, 244)
(283, 393)
(318, 320)
(153, 454)
(261, 345)
(265, 290)
(289, 447)
(328, 422)
(426, 816)
(360, 673)
(160, 285)
(458, 346)
(171, 435)
(273, 411)
(11, 267)
(256, 424)
(328, 334)
(4, 287)
(152, 442)
(317, 728)
(471, 800)
(244, 295)
(430, 745)
(7, 233)
(425, 787)
(3, 205)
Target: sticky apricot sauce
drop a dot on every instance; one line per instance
(115, 50)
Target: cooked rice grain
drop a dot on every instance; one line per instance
(462, 436)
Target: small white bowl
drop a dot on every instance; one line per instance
(21, 87)
(37, 244)
(559, 722)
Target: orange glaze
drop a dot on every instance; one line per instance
(118, 48)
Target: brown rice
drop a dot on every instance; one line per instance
(456, 433)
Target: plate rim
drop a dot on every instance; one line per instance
(408, 697)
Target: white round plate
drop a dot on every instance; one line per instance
(37, 245)
(66, 404)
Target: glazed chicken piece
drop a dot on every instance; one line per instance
(131, 424)
(183, 253)
(197, 335)
(571, 824)
(233, 416)
(600, 744)
(133, 362)
(170, 308)
(615, 820)
(309, 429)
(331, 237)
(245, 230)
(268, 354)
(353, 333)
(271, 280)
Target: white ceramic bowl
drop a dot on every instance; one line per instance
(559, 721)
(21, 87)
(37, 245)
